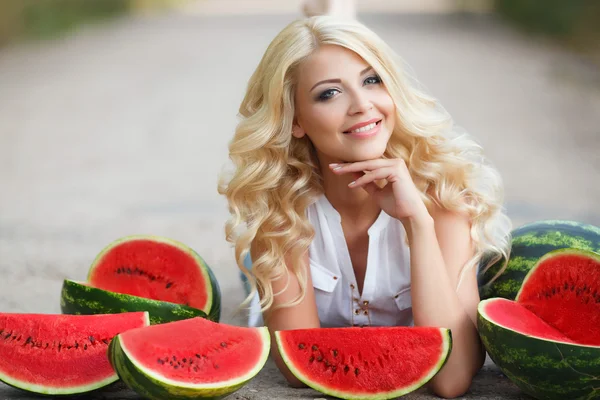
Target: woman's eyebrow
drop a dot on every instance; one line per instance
(364, 71)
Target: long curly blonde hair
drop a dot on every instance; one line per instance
(276, 176)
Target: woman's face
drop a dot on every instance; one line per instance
(342, 106)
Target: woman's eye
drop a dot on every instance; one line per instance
(327, 94)
(372, 80)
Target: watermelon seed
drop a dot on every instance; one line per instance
(195, 369)
(326, 364)
(174, 358)
(169, 284)
(198, 355)
(92, 339)
(356, 372)
(185, 360)
(7, 335)
(346, 369)
(216, 366)
(314, 347)
(85, 346)
(105, 341)
(59, 346)
(319, 358)
(171, 362)
(177, 366)
(76, 345)
(311, 359)
(223, 344)
(46, 346)
(28, 340)
(301, 346)
(335, 353)
(160, 361)
(333, 368)
(566, 286)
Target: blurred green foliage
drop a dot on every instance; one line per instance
(559, 18)
(48, 18)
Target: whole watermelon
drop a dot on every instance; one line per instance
(529, 243)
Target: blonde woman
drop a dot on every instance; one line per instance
(354, 200)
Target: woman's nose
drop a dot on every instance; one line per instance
(361, 103)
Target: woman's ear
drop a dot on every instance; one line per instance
(297, 131)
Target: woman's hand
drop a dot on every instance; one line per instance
(399, 198)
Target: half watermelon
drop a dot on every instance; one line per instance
(157, 268)
(365, 363)
(528, 244)
(193, 358)
(60, 354)
(547, 341)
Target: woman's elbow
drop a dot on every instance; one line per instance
(294, 382)
(450, 389)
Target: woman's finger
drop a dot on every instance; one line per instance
(368, 165)
(381, 173)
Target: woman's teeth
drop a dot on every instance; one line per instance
(365, 128)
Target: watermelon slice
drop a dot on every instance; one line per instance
(192, 358)
(157, 268)
(60, 354)
(365, 363)
(80, 298)
(547, 341)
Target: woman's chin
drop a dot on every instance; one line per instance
(365, 156)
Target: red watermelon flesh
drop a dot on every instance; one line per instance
(197, 351)
(376, 362)
(152, 268)
(511, 315)
(563, 289)
(60, 354)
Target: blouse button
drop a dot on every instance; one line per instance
(396, 296)
(356, 311)
(335, 278)
(366, 302)
(352, 285)
(366, 312)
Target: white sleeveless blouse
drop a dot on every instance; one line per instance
(386, 296)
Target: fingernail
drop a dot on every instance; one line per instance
(352, 183)
(335, 166)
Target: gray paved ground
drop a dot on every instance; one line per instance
(123, 129)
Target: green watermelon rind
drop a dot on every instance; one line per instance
(445, 353)
(543, 368)
(77, 298)
(154, 386)
(73, 390)
(213, 293)
(528, 244)
(552, 254)
(58, 391)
